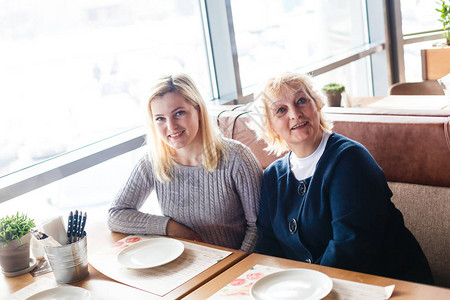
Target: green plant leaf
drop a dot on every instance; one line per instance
(444, 10)
(14, 227)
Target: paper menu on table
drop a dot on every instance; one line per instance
(344, 289)
(46, 288)
(239, 288)
(39, 285)
(158, 280)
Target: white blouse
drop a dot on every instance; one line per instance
(305, 167)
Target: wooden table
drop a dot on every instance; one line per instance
(403, 289)
(99, 235)
(412, 102)
(421, 106)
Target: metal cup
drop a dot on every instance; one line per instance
(69, 262)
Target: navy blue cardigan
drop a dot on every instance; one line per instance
(341, 217)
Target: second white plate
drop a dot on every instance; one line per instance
(292, 284)
(150, 253)
(62, 292)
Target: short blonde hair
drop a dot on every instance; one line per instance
(273, 88)
(160, 154)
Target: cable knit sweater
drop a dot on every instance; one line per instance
(220, 206)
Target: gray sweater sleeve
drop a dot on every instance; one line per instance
(248, 178)
(124, 215)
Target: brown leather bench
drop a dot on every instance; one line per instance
(413, 151)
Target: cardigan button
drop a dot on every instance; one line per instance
(293, 226)
(302, 188)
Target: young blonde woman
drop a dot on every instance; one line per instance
(327, 201)
(207, 186)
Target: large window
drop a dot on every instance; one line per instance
(74, 72)
(276, 36)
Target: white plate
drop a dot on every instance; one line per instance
(292, 284)
(150, 253)
(62, 293)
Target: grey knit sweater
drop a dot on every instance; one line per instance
(220, 206)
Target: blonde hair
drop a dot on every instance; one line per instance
(160, 154)
(273, 88)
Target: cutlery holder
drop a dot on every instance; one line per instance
(69, 262)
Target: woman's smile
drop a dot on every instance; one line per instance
(176, 135)
(300, 125)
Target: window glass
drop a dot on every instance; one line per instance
(74, 72)
(356, 78)
(413, 59)
(91, 190)
(273, 36)
(419, 16)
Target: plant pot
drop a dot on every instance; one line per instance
(334, 99)
(16, 257)
(435, 62)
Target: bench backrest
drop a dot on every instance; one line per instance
(410, 149)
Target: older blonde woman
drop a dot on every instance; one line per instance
(327, 201)
(207, 186)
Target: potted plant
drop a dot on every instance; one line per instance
(334, 91)
(15, 242)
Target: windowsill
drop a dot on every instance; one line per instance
(48, 171)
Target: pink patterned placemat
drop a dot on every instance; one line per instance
(239, 288)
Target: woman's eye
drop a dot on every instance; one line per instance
(302, 100)
(159, 119)
(280, 110)
(179, 113)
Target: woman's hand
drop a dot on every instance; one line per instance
(176, 229)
